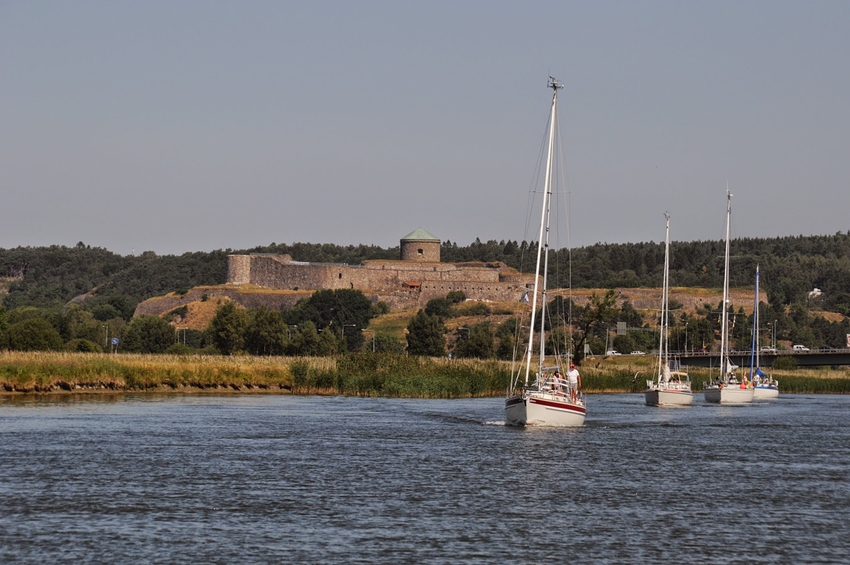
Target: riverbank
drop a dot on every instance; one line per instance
(362, 374)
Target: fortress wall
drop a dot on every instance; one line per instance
(388, 278)
(160, 305)
(238, 269)
(498, 292)
(270, 272)
(409, 266)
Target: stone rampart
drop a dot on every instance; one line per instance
(406, 282)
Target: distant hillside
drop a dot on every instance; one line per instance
(791, 267)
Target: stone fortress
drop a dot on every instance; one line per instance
(418, 275)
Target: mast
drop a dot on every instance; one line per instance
(663, 345)
(543, 241)
(724, 330)
(754, 355)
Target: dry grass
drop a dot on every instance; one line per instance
(54, 371)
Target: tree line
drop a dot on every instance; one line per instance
(87, 296)
(791, 267)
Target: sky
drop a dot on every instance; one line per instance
(193, 126)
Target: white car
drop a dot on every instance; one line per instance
(612, 352)
(638, 353)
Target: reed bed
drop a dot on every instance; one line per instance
(361, 374)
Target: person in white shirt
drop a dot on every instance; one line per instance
(575, 381)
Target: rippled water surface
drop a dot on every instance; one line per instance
(282, 479)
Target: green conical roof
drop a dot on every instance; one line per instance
(420, 235)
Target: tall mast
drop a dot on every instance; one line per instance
(724, 330)
(663, 346)
(543, 241)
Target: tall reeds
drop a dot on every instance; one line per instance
(360, 374)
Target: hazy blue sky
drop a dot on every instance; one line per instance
(190, 126)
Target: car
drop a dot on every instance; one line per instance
(767, 349)
(638, 353)
(800, 348)
(612, 352)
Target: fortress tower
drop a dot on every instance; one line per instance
(419, 245)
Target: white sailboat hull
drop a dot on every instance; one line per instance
(765, 392)
(668, 397)
(732, 394)
(544, 409)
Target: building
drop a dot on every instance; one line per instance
(418, 275)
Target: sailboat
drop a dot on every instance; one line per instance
(764, 387)
(543, 402)
(726, 389)
(673, 387)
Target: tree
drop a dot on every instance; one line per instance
(4, 323)
(345, 312)
(266, 333)
(505, 349)
(33, 334)
(624, 343)
(226, 329)
(456, 296)
(310, 341)
(478, 343)
(148, 334)
(426, 335)
(441, 307)
(81, 324)
(596, 316)
(385, 343)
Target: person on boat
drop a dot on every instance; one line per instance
(558, 381)
(575, 382)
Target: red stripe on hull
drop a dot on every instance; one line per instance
(559, 406)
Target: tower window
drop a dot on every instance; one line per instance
(420, 251)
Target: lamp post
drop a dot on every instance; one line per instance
(105, 337)
(373, 338)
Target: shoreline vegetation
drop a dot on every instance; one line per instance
(360, 374)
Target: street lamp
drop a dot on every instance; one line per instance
(373, 338)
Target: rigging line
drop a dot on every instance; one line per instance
(535, 180)
(563, 182)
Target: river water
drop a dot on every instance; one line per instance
(290, 479)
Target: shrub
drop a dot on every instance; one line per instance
(441, 307)
(785, 363)
(473, 309)
(456, 296)
(83, 346)
(34, 334)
